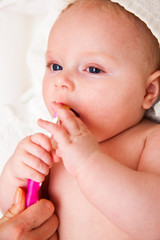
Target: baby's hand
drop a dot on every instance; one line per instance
(32, 158)
(75, 142)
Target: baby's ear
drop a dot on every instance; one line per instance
(152, 89)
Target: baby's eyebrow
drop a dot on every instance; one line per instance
(101, 55)
(96, 55)
(48, 55)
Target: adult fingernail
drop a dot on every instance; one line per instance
(17, 196)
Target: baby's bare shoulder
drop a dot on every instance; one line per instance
(150, 158)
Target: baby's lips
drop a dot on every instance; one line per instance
(61, 103)
(67, 107)
(64, 105)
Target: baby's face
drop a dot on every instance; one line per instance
(92, 67)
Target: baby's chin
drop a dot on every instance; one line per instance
(99, 137)
(105, 135)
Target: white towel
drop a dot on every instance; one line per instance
(147, 10)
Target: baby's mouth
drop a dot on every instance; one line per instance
(75, 113)
(68, 107)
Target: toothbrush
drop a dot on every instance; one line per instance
(34, 187)
(56, 118)
(32, 192)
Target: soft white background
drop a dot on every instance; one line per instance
(24, 29)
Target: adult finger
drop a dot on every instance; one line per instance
(17, 207)
(47, 229)
(35, 215)
(54, 237)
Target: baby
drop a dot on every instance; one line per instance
(104, 63)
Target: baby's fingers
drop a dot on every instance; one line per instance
(69, 120)
(42, 140)
(37, 164)
(33, 174)
(59, 133)
(39, 152)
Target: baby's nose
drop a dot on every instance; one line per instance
(64, 82)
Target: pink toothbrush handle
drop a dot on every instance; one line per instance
(32, 192)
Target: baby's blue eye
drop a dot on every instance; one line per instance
(94, 70)
(56, 67)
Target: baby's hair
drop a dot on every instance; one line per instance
(147, 41)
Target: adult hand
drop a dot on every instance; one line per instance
(37, 222)
(17, 206)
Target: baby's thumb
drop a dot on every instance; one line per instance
(17, 206)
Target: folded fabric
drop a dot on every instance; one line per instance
(147, 10)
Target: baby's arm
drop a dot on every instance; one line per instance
(31, 160)
(129, 199)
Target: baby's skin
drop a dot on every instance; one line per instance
(105, 190)
(104, 171)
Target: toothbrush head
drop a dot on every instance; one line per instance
(56, 118)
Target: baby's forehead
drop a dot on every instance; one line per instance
(106, 10)
(133, 30)
(107, 15)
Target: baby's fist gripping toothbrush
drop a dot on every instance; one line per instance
(34, 187)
